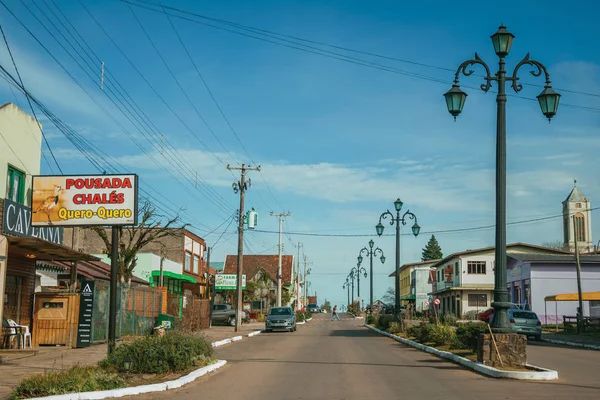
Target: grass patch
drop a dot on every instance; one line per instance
(153, 359)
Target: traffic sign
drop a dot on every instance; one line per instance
(427, 303)
(436, 302)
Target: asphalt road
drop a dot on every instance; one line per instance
(343, 360)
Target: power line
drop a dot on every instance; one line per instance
(30, 106)
(338, 56)
(476, 228)
(271, 33)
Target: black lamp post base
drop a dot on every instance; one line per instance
(501, 323)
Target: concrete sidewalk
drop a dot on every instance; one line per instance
(583, 339)
(17, 365)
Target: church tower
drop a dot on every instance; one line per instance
(577, 221)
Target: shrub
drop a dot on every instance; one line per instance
(173, 352)
(384, 321)
(441, 334)
(73, 380)
(299, 316)
(449, 319)
(308, 315)
(394, 328)
(372, 320)
(414, 331)
(467, 335)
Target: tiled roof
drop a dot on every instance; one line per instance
(254, 263)
(96, 270)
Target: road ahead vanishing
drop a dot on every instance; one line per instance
(343, 360)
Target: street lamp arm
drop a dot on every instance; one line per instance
(536, 71)
(410, 215)
(365, 251)
(377, 251)
(467, 72)
(385, 215)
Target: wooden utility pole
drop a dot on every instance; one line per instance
(297, 288)
(279, 272)
(74, 246)
(240, 186)
(579, 294)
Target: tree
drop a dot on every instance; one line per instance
(135, 238)
(389, 297)
(326, 306)
(556, 244)
(432, 251)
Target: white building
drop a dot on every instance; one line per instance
(464, 281)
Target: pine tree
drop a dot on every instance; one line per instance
(432, 251)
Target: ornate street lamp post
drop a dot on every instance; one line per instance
(347, 286)
(415, 230)
(351, 277)
(455, 100)
(369, 252)
(357, 271)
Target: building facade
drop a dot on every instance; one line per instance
(464, 282)
(533, 277)
(414, 287)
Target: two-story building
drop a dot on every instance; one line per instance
(414, 286)
(178, 258)
(464, 281)
(22, 245)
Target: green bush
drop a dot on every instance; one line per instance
(299, 316)
(173, 352)
(308, 315)
(372, 319)
(73, 380)
(441, 334)
(449, 319)
(468, 334)
(384, 321)
(394, 328)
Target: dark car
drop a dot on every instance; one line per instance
(281, 318)
(313, 308)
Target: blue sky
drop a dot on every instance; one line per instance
(338, 142)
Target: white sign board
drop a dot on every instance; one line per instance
(84, 200)
(228, 282)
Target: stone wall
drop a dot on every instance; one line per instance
(511, 346)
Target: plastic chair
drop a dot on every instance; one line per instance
(24, 332)
(9, 334)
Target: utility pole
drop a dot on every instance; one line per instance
(580, 296)
(297, 288)
(279, 272)
(240, 186)
(306, 272)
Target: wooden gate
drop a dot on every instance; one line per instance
(55, 319)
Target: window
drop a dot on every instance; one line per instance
(579, 227)
(476, 267)
(15, 185)
(478, 300)
(456, 268)
(578, 205)
(196, 263)
(188, 261)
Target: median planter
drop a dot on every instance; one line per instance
(532, 373)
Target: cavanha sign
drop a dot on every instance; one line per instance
(84, 200)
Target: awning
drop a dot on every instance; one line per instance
(588, 296)
(408, 297)
(173, 275)
(46, 251)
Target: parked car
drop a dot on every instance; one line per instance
(526, 323)
(487, 315)
(313, 308)
(224, 313)
(281, 318)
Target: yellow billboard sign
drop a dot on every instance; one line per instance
(84, 200)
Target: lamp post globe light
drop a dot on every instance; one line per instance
(415, 230)
(370, 252)
(455, 100)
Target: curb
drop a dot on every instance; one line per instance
(300, 323)
(157, 387)
(251, 334)
(572, 344)
(542, 374)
